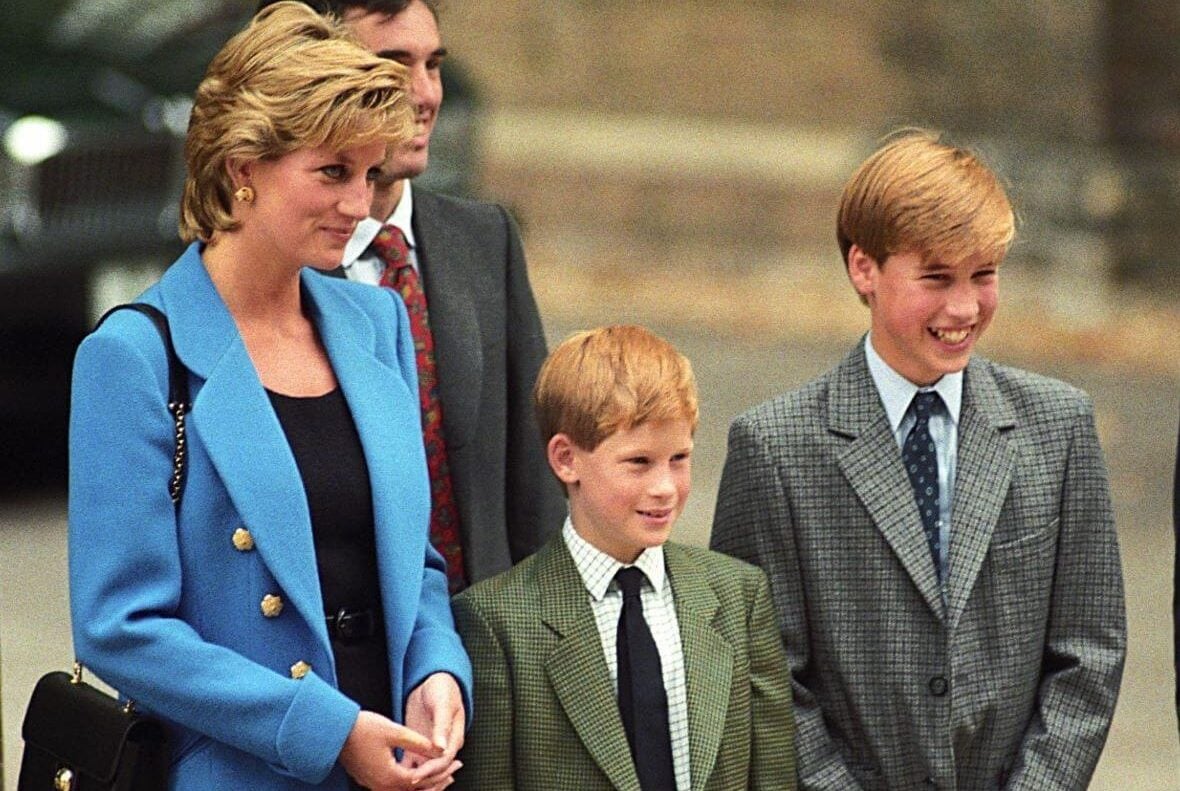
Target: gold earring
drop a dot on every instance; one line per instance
(245, 194)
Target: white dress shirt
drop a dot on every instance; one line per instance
(598, 571)
(896, 394)
(360, 262)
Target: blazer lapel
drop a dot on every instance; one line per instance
(387, 419)
(986, 459)
(577, 668)
(871, 463)
(708, 662)
(238, 427)
(453, 324)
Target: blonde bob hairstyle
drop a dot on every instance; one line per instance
(611, 379)
(291, 80)
(917, 194)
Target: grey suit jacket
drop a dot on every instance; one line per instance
(488, 346)
(546, 715)
(1014, 683)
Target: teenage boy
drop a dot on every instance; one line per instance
(937, 528)
(611, 659)
(460, 266)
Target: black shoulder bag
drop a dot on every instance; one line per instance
(78, 738)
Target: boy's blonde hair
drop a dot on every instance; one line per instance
(917, 194)
(612, 379)
(291, 80)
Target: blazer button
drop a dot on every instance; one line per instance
(300, 669)
(938, 686)
(272, 605)
(243, 541)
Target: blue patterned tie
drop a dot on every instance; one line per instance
(921, 464)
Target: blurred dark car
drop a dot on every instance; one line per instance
(94, 103)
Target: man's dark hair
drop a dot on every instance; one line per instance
(339, 7)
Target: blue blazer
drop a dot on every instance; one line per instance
(167, 607)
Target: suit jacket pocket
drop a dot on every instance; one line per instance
(1014, 591)
(1030, 541)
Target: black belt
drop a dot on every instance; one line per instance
(350, 625)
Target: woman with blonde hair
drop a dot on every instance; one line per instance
(288, 612)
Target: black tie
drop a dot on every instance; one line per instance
(643, 703)
(921, 464)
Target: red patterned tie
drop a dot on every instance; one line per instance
(401, 276)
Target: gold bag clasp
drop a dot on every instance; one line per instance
(128, 707)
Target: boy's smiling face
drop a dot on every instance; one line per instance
(926, 315)
(626, 494)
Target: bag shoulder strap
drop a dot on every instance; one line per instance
(178, 393)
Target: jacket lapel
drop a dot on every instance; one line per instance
(260, 474)
(708, 662)
(985, 463)
(387, 419)
(577, 668)
(453, 322)
(871, 463)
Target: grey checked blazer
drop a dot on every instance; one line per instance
(546, 715)
(1014, 683)
(488, 345)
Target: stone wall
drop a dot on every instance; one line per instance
(1061, 95)
(791, 63)
(1143, 65)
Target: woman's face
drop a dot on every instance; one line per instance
(307, 203)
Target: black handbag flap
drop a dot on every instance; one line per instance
(82, 727)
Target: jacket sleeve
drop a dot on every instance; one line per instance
(753, 522)
(487, 755)
(1176, 574)
(772, 748)
(434, 645)
(534, 503)
(1087, 631)
(126, 577)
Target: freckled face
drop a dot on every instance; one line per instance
(307, 203)
(626, 494)
(926, 315)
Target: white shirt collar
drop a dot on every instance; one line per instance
(897, 392)
(598, 569)
(368, 228)
(403, 212)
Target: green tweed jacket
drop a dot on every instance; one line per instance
(546, 716)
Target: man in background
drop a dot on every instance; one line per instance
(460, 266)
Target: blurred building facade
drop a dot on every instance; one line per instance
(731, 127)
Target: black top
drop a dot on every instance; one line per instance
(331, 462)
